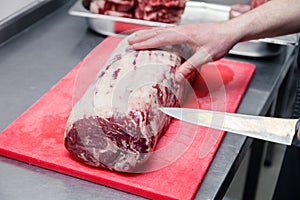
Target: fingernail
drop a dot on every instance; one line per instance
(132, 36)
(179, 77)
(234, 13)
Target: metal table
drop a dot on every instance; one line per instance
(35, 59)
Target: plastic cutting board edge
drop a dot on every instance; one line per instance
(183, 155)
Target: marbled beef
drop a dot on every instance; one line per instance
(117, 124)
(167, 11)
(120, 8)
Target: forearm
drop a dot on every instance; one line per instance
(212, 41)
(274, 18)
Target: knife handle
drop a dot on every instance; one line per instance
(296, 142)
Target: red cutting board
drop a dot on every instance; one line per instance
(183, 154)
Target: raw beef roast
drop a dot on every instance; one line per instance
(117, 124)
(120, 8)
(168, 11)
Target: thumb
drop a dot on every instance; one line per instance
(192, 64)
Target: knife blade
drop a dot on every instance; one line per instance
(278, 130)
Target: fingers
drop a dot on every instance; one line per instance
(140, 36)
(238, 9)
(241, 8)
(156, 37)
(192, 64)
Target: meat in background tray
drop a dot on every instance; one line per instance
(167, 11)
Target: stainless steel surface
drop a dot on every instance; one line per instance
(11, 8)
(227, 2)
(33, 62)
(271, 129)
(256, 49)
(17, 15)
(195, 12)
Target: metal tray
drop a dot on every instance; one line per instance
(195, 12)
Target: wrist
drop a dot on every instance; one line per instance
(235, 31)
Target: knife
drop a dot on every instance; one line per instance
(278, 130)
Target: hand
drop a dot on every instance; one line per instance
(209, 42)
(238, 9)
